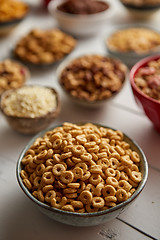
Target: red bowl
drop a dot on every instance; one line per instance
(150, 106)
(46, 2)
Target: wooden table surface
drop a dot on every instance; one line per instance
(19, 219)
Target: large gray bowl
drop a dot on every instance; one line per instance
(85, 219)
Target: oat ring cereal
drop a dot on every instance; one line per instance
(81, 168)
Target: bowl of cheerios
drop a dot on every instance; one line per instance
(82, 174)
(90, 80)
(43, 48)
(12, 13)
(145, 83)
(31, 108)
(131, 43)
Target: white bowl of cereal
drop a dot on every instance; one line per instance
(30, 108)
(12, 13)
(90, 80)
(43, 48)
(131, 43)
(86, 174)
(81, 17)
(13, 75)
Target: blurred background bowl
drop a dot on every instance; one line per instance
(143, 11)
(150, 106)
(12, 20)
(131, 57)
(82, 101)
(80, 25)
(14, 75)
(85, 219)
(30, 125)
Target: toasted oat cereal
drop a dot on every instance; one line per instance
(85, 186)
(44, 46)
(136, 40)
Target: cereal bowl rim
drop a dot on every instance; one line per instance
(56, 110)
(93, 214)
(65, 63)
(131, 53)
(135, 69)
(52, 8)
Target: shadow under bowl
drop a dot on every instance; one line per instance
(85, 219)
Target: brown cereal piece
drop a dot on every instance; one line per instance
(44, 46)
(67, 177)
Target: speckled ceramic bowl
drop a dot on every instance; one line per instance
(28, 125)
(85, 219)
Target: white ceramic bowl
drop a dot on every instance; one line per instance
(80, 25)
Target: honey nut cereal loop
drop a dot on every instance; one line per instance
(72, 178)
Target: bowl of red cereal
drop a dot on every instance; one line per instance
(90, 80)
(82, 174)
(81, 17)
(131, 43)
(145, 83)
(31, 108)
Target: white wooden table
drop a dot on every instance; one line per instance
(19, 219)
